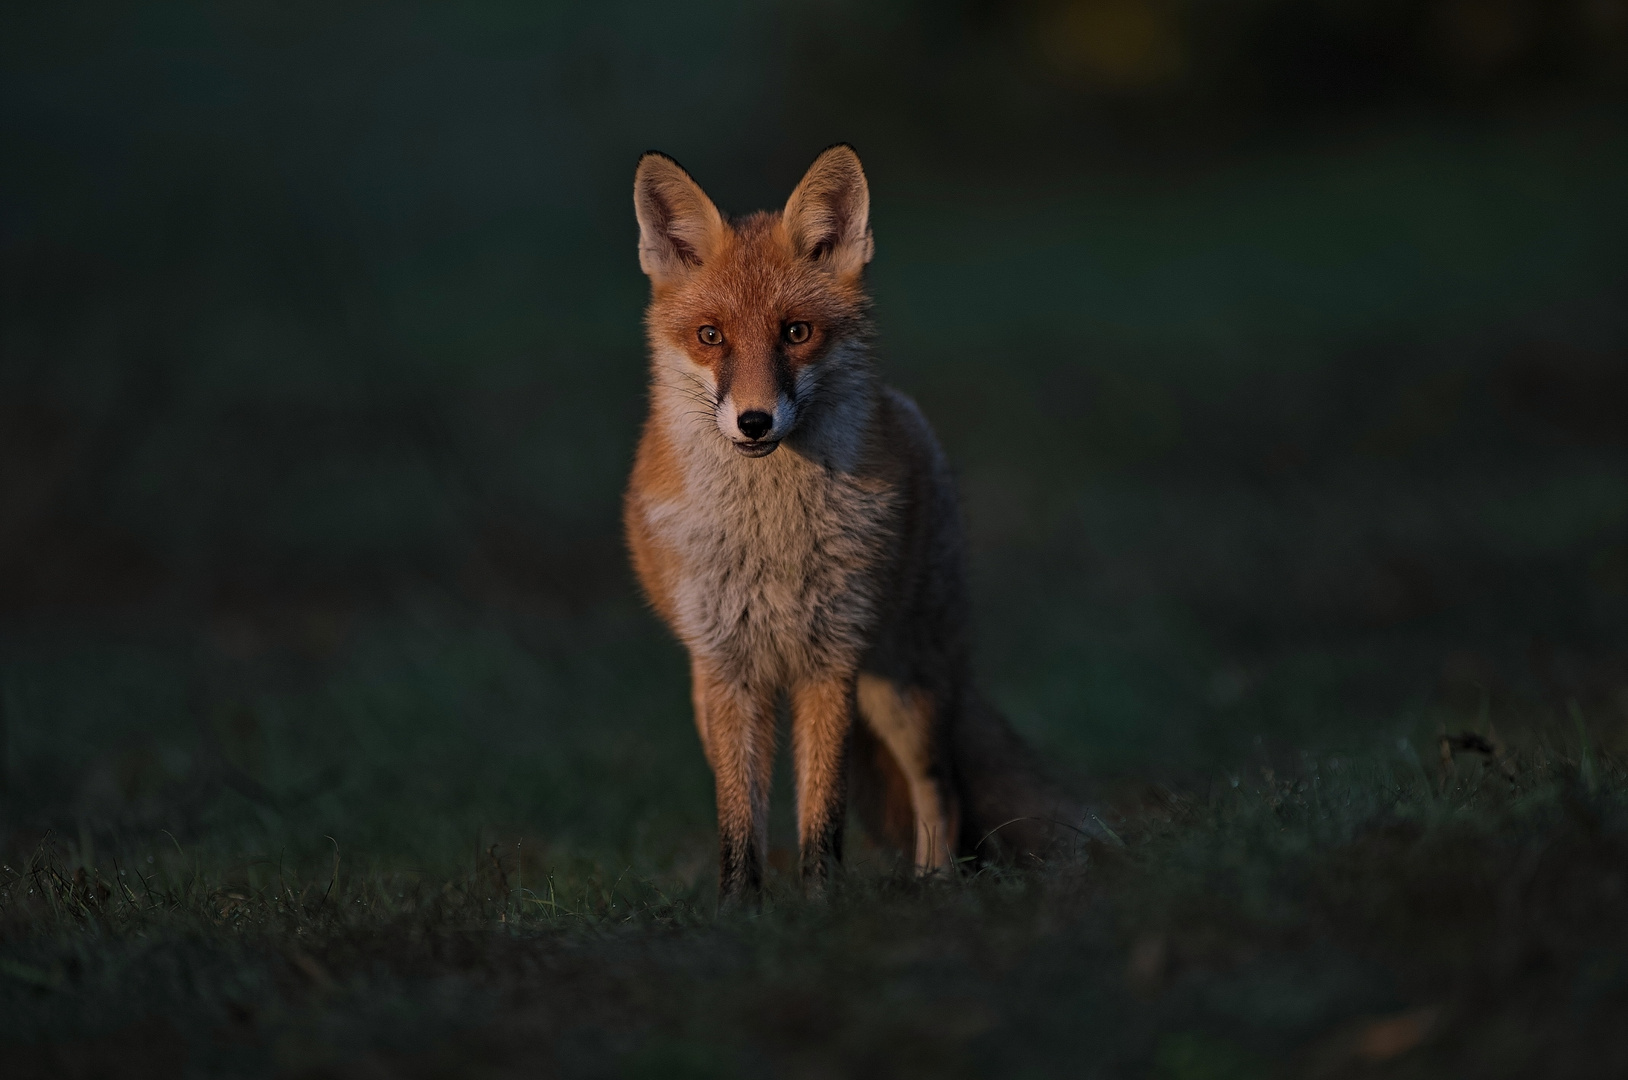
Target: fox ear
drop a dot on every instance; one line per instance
(828, 216)
(679, 228)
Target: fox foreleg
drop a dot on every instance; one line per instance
(698, 699)
(737, 728)
(822, 711)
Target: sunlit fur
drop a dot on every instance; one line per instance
(821, 563)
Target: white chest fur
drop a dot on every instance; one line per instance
(777, 559)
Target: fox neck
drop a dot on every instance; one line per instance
(835, 403)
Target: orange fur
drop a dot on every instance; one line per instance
(794, 521)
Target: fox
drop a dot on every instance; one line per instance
(795, 523)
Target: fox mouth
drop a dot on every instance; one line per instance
(757, 448)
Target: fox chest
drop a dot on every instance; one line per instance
(778, 574)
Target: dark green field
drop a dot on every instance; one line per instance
(1354, 921)
(335, 740)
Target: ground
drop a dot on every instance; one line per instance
(1377, 917)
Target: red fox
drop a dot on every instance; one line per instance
(795, 523)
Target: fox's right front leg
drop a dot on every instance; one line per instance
(736, 724)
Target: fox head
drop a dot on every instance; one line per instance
(755, 322)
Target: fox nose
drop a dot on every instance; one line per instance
(754, 424)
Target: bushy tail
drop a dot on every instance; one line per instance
(1011, 807)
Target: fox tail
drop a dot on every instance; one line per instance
(1012, 808)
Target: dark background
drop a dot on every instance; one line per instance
(1281, 345)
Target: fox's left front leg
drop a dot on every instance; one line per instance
(822, 710)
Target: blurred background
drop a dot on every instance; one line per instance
(1281, 346)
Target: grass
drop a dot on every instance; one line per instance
(1362, 916)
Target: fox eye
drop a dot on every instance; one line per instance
(797, 333)
(710, 335)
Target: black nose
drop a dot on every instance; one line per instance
(754, 424)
